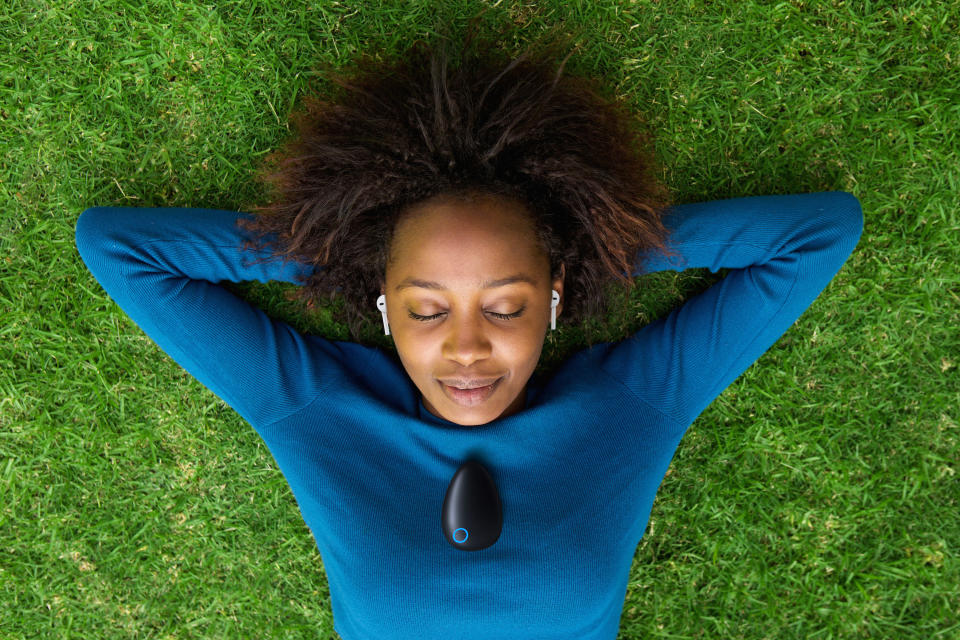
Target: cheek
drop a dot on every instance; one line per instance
(519, 349)
(415, 352)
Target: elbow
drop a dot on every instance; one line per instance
(88, 226)
(848, 215)
(91, 233)
(852, 217)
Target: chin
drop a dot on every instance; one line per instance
(471, 418)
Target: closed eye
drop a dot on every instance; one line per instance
(501, 316)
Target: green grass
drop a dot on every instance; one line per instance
(815, 498)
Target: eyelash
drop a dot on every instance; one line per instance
(502, 316)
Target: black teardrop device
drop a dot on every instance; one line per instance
(472, 516)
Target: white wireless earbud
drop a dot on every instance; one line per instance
(382, 305)
(554, 301)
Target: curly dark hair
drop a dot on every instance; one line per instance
(406, 130)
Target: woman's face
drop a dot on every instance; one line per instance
(444, 252)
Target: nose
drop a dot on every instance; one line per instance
(466, 341)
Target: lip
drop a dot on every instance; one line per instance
(470, 397)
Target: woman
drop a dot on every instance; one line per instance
(479, 204)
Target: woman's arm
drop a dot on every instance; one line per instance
(162, 266)
(782, 252)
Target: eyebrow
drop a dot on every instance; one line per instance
(428, 284)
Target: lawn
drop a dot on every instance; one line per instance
(815, 498)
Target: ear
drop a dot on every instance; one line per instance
(558, 287)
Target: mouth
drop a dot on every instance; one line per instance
(472, 396)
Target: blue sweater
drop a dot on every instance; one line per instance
(577, 469)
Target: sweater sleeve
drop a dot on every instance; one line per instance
(162, 266)
(782, 251)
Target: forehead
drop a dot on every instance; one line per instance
(467, 241)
